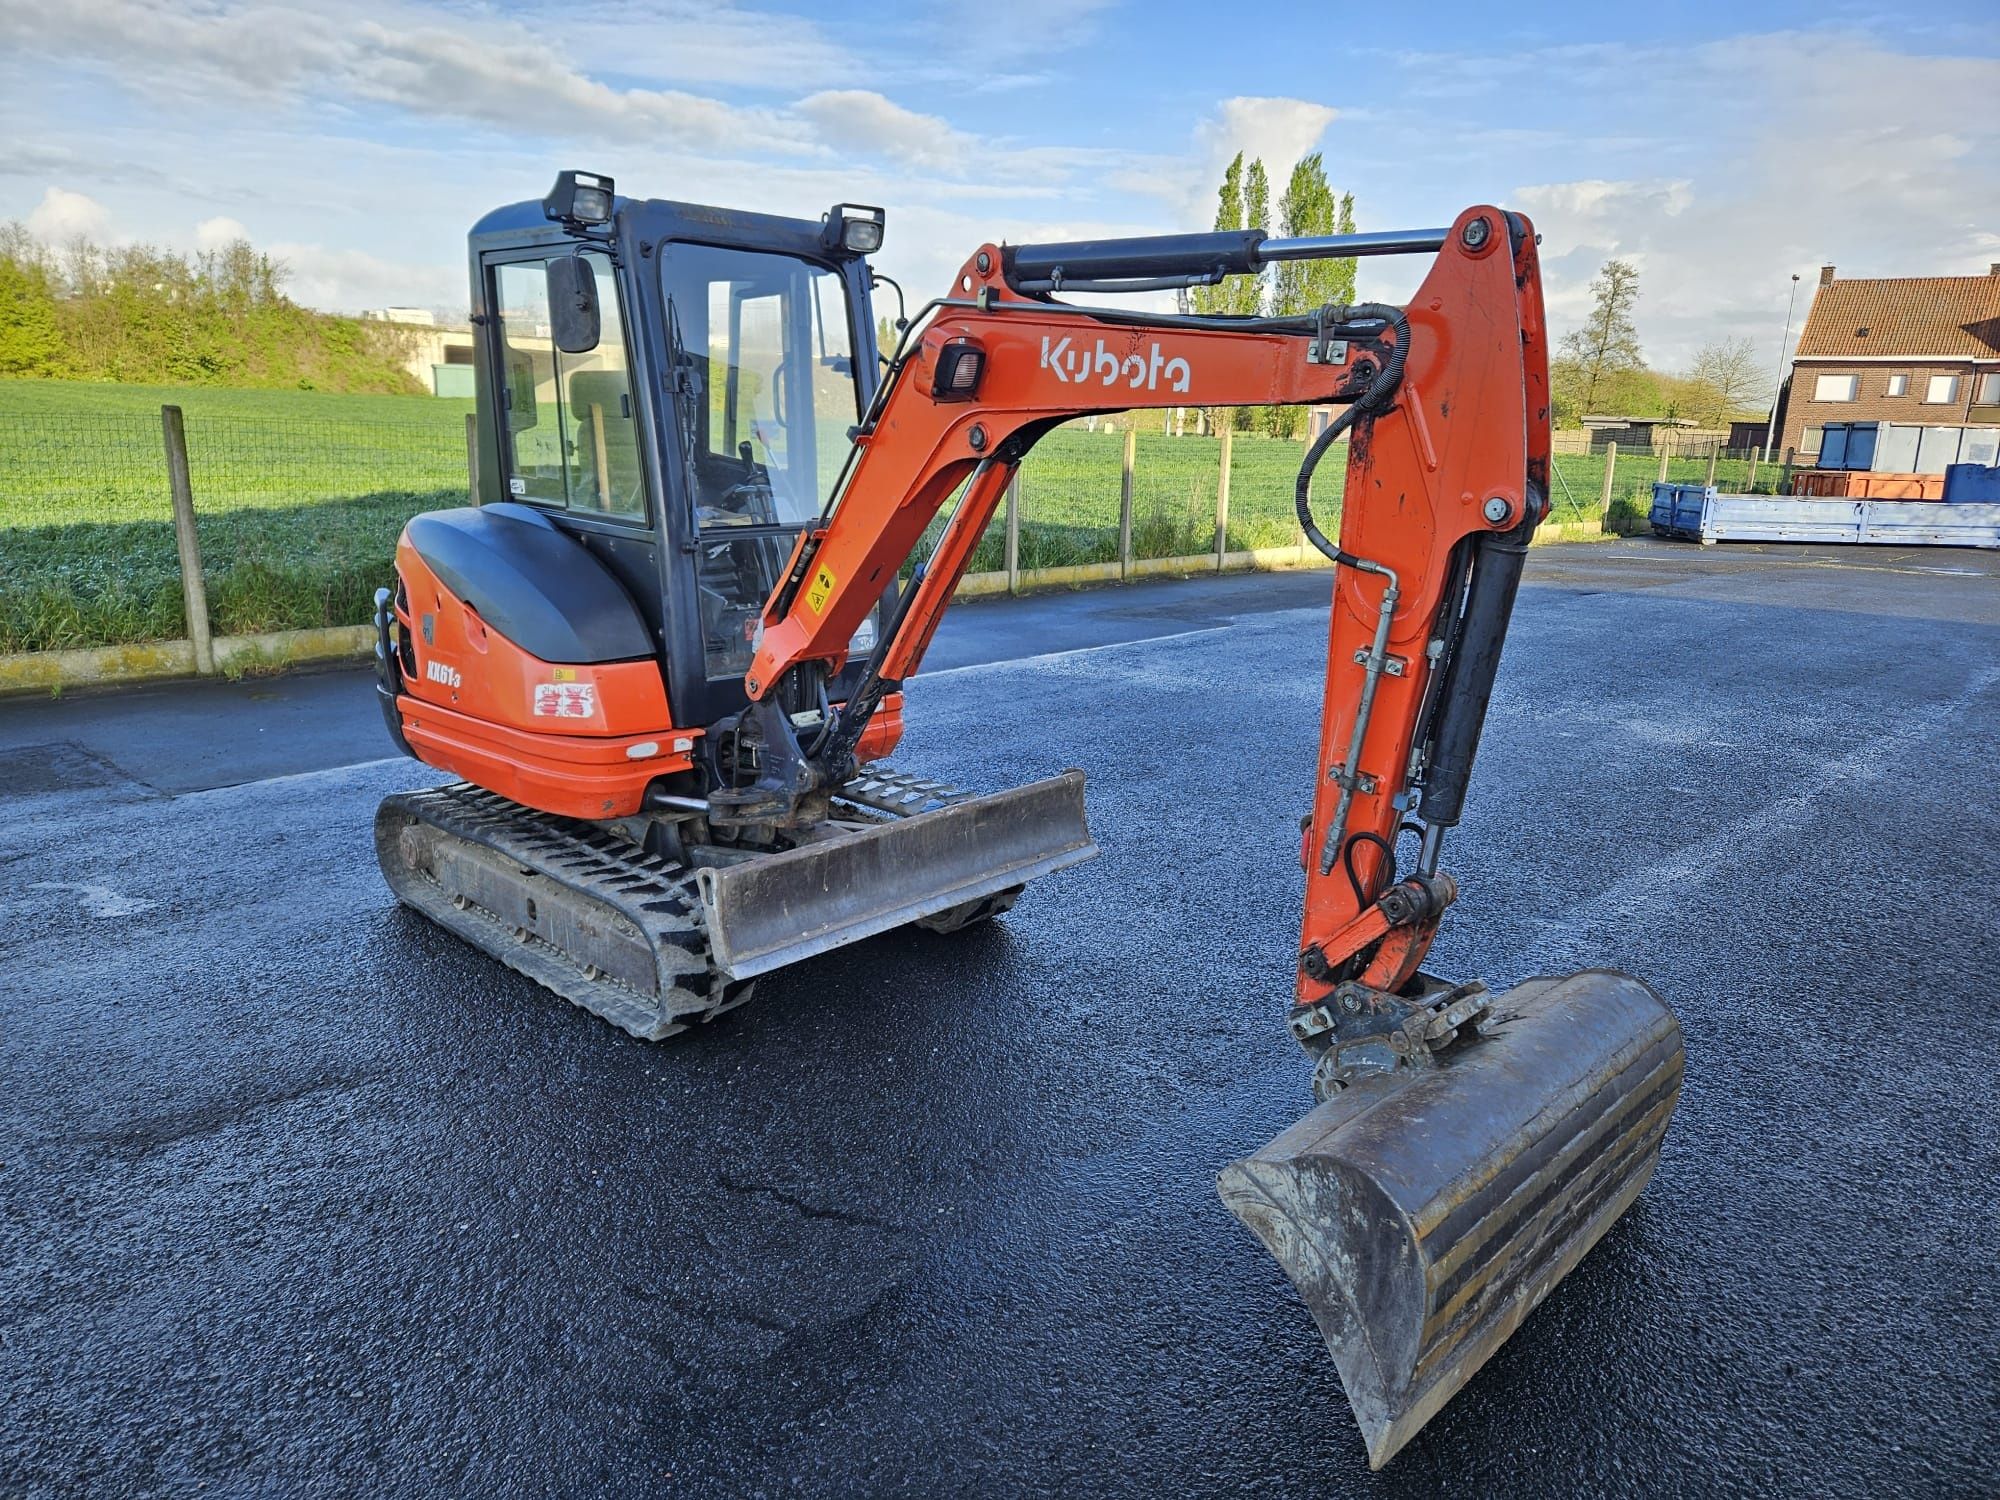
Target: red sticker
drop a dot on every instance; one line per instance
(565, 700)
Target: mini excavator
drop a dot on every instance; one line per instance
(666, 655)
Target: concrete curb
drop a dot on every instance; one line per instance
(1254, 560)
(151, 661)
(248, 655)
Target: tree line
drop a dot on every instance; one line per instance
(1599, 368)
(149, 315)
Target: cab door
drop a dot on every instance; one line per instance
(761, 349)
(568, 427)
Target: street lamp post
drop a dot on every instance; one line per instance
(1771, 427)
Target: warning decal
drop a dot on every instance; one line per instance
(821, 591)
(565, 700)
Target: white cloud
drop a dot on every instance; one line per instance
(1790, 175)
(862, 120)
(1276, 131)
(351, 280)
(484, 70)
(62, 216)
(219, 232)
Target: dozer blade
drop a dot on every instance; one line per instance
(765, 913)
(1424, 1213)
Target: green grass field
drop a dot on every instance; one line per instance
(300, 497)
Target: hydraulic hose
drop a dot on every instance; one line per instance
(1376, 398)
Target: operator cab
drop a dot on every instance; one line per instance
(674, 387)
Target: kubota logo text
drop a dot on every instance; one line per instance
(437, 671)
(1139, 372)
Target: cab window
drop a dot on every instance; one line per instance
(569, 428)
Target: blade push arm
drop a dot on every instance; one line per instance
(1447, 477)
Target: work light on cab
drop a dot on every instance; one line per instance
(579, 198)
(854, 228)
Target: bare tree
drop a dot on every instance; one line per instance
(1607, 344)
(1728, 378)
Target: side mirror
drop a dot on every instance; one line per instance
(574, 318)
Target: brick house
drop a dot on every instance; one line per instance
(1923, 349)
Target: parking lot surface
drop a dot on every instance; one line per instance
(299, 1195)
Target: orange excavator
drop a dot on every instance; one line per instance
(667, 655)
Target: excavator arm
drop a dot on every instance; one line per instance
(1447, 416)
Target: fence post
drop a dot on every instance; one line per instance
(1604, 496)
(1714, 452)
(1222, 500)
(1125, 502)
(1666, 447)
(1014, 533)
(472, 454)
(1785, 474)
(1750, 484)
(194, 591)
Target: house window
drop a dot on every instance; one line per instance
(1989, 389)
(1835, 387)
(1942, 390)
(1899, 385)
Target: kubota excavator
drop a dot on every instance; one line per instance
(668, 653)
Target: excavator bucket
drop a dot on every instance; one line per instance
(1423, 1213)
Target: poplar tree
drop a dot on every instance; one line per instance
(1309, 208)
(1210, 300)
(1249, 290)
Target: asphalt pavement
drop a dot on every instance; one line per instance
(299, 1195)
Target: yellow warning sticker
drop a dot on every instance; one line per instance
(821, 591)
(564, 674)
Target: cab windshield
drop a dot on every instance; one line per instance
(761, 364)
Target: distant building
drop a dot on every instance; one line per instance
(438, 355)
(1918, 349)
(409, 317)
(1630, 433)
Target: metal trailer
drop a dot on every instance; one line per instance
(1699, 513)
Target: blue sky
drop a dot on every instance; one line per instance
(1721, 147)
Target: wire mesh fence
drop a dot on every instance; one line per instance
(297, 521)
(298, 517)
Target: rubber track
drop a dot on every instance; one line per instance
(606, 880)
(611, 876)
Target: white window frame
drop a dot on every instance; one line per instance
(1950, 396)
(1899, 385)
(1825, 383)
(1989, 388)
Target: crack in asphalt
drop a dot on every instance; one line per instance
(807, 1207)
